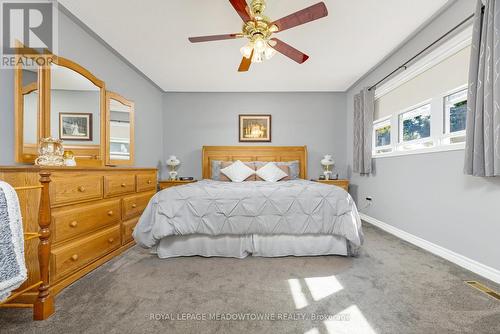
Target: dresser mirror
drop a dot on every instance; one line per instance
(28, 127)
(119, 130)
(76, 111)
(65, 101)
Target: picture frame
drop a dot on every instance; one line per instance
(75, 126)
(255, 128)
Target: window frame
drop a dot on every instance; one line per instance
(447, 134)
(414, 109)
(439, 140)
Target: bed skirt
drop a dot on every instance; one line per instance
(254, 245)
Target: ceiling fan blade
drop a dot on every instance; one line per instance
(303, 16)
(288, 51)
(213, 38)
(242, 9)
(245, 63)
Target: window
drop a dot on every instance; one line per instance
(382, 136)
(455, 117)
(415, 124)
(415, 128)
(424, 108)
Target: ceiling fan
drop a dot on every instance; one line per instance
(259, 29)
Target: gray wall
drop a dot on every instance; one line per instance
(78, 45)
(428, 195)
(192, 120)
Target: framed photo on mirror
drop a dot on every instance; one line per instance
(75, 126)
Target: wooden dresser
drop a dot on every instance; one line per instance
(93, 210)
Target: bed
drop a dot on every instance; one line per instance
(228, 219)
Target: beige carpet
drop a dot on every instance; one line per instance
(393, 287)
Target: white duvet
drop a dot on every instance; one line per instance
(216, 208)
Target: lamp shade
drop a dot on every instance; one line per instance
(173, 161)
(327, 160)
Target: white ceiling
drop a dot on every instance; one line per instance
(153, 34)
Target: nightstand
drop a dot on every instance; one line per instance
(174, 183)
(339, 183)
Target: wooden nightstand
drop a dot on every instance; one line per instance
(339, 183)
(173, 183)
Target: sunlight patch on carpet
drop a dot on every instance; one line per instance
(321, 287)
(298, 295)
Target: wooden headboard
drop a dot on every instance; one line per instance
(254, 153)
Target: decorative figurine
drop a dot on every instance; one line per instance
(50, 152)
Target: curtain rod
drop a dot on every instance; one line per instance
(405, 65)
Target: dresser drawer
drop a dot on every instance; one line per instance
(146, 182)
(118, 184)
(68, 188)
(134, 205)
(69, 258)
(128, 229)
(83, 218)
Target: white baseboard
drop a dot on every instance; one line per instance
(464, 262)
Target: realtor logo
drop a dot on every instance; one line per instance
(28, 28)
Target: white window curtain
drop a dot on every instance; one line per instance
(482, 149)
(364, 107)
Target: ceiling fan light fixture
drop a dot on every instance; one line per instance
(246, 50)
(260, 45)
(257, 57)
(264, 54)
(269, 52)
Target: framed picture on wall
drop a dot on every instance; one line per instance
(255, 128)
(75, 126)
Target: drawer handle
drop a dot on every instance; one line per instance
(134, 206)
(111, 240)
(123, 185)
(81, 189)
(149, 181)
(110, 212)
(73, 223)
(74, 257)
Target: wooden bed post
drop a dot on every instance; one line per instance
(44, 304)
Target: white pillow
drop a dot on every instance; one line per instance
(271, 173)
(238, 172)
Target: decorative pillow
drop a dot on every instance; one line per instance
(293, 166)
(225, 164)
(271, 173)
(238, 172)
(294, 169)
(215, 170)
(284, 168)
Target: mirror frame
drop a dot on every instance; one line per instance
(19, 91)
(84, 154)
(110, 162)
